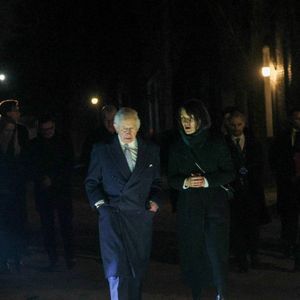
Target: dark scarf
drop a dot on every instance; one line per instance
(196, 139)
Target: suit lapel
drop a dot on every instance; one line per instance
(118, 157)
(141, 157)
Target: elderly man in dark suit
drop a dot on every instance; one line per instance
(123, 184)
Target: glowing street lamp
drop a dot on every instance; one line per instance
(266, 71)
(94, 101)
(2, 77)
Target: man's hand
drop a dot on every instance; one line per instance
(153, 206)
(195, 181)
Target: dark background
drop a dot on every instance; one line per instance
(151, 55)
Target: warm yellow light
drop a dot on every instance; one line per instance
(266, 71)
(94, 101)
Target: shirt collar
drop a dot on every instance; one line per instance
(241, 137)
(132, 145)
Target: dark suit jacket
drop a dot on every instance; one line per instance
(53, 158)
(282, 164)
(125, 224)
(253, 160)
(249, 188)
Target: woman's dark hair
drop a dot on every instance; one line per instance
(196, 108)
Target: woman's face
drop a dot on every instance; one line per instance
(188, 122)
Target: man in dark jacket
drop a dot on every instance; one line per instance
(51, 160)
(248, 204)
(123, 184)
(285, 163)
(10, 109)
(103, 133)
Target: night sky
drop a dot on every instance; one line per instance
(59, 54)
(60, 50)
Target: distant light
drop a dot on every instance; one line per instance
(94, 101)
(266, 71)
(2, 77)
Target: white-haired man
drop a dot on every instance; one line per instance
(123, 184)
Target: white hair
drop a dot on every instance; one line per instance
(126, 113)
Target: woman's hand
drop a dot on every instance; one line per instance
(195, 181)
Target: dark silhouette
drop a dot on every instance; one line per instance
(52, 161)
(248, 209)
(123, 183)
(285, 163)
(11, 109)
(103, 133)
(11, 208)
(200, 164)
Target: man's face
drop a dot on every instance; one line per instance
(237, 126)
(108, 121)
(14, 114)
(47, 129)
(127, 130)
(296, 119)
(189, 124)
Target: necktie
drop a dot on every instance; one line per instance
(128, 156)
(238, 145)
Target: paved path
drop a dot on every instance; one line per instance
(274, 281)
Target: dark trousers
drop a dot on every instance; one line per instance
(125, 288)
(244, 227)
(62, 207)
(288, 208)
(11, 228)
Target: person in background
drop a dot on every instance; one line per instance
(11, 109)
(123, 184)
(285, 163)
(10, 208)
(199, 165)
(248, 204)
(52, 161)
(103, 133)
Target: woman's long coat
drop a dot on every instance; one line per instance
(203, 213)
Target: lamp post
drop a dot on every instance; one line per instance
(266, 73)
(96, 103)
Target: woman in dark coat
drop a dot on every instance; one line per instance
(10, 242)
(199, 167)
